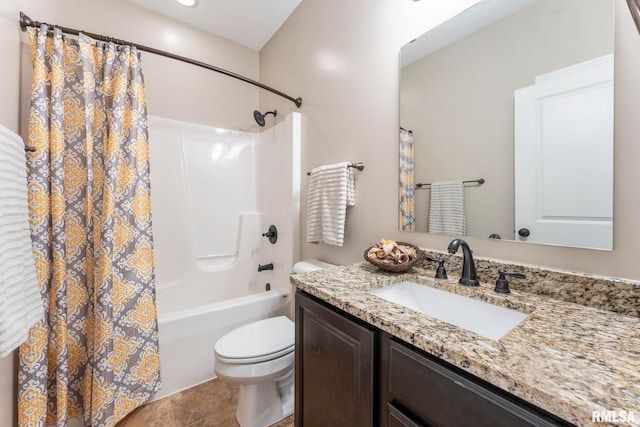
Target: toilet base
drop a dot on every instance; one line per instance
(265, 403)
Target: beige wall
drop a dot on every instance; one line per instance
(351, 113)
(459, 103)
(175, 90)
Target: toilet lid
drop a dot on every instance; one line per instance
(263, 340)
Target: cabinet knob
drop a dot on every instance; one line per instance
(524, 232)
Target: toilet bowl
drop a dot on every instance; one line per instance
(259, 356)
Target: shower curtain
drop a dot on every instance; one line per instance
(96, 353)
(406, 196)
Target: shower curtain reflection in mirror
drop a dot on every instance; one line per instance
(96, 353)
(407, 200)
(634, 7)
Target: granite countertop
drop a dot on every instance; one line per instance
(566, 358)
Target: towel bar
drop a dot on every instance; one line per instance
(358, 165)
(480, 181)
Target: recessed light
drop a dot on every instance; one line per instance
(188, 3)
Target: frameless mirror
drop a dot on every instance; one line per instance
(516, 98)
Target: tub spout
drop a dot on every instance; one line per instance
(265, 267)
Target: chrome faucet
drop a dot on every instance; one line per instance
(468, 277)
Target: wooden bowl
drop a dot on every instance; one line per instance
(390, 265)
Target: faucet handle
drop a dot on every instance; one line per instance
(502, 285)
(441, 272)
(271, 234)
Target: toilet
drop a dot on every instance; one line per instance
(259, 356)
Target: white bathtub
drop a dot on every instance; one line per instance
(187, 337)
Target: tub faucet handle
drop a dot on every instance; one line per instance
(271, 234)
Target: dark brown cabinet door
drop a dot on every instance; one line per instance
(334, 368)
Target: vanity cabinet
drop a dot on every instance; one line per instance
(334, 374)
(348, 373)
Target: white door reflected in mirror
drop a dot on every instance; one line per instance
(564, 157)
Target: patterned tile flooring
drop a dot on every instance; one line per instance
(211, 404)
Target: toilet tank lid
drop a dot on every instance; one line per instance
(257, 339)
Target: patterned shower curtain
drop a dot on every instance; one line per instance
(96, 353)
(406, 196)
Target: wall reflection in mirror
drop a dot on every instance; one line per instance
(518, 93)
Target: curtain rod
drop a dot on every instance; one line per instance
(25, 22)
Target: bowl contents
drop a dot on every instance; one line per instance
(392, 251)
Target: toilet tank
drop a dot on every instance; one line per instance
(307, 265)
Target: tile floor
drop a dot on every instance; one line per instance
(211, 404)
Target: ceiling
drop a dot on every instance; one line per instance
(250, 23)
(480, 15)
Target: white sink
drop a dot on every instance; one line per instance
(490, 321)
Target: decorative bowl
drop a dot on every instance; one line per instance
(390, 264)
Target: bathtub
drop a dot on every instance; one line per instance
(187, 337)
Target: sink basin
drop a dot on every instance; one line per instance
(489, 320)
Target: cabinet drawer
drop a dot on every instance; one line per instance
(398, 419)
(441, 397)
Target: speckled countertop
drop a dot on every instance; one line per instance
(566, 358)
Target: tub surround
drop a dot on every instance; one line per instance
(566, 357)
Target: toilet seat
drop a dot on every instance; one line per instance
(256, 342)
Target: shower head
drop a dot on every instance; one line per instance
(259, 117)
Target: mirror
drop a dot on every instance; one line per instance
(518, 93)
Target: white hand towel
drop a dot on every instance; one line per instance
(446, 211)
(21, 305)
(331, 190)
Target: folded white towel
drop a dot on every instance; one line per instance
(21, 305)
(331, 190)
(446, 211)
